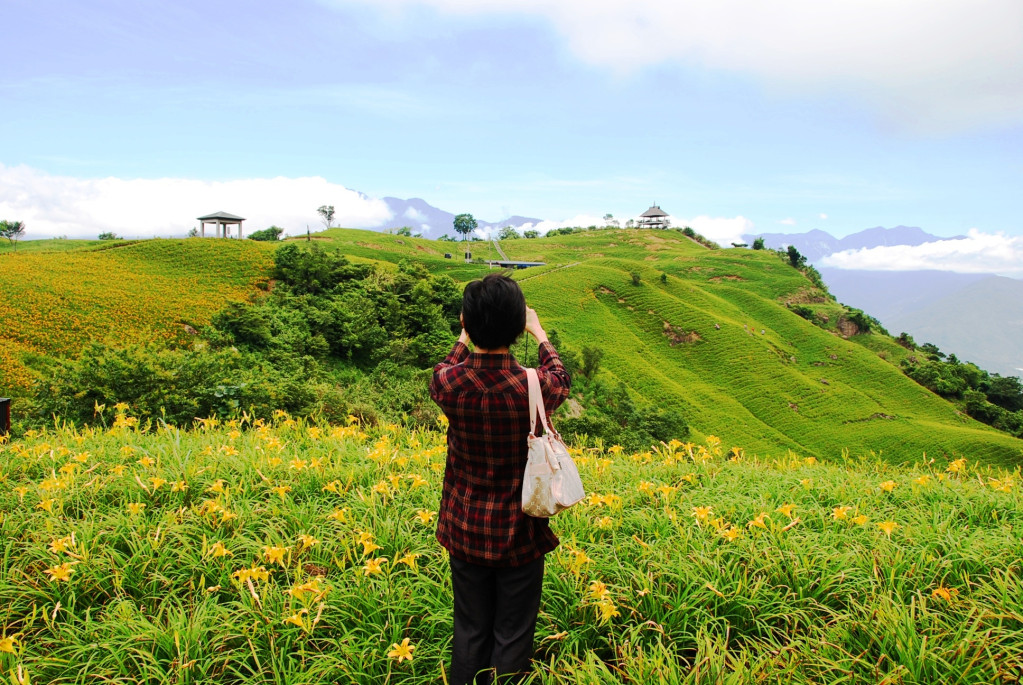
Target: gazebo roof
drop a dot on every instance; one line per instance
(654, 211)
(221, 216)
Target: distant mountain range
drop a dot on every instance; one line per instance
(816, 244)
(979, 317)
(432, 222)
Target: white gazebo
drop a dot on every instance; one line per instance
(222, 221)
(655, 217)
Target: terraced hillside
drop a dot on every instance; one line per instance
(707, 331)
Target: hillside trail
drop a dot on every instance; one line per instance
(499, 250)
(566, 266)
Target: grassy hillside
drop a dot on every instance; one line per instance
(51, 301)
(707, 331)
(766, 378)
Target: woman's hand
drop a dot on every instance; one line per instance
(533, 326)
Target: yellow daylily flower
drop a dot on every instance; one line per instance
(426, 516)
(888, 527)
(275, 555)
(786, 509)
(840, 513)
(296, 618)
(307, 541)
(61, 572)
(373, 566)
(598, 590)
(401, 651)
(410, 560)
(7, 644)
(218, 550)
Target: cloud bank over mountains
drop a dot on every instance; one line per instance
(987, 253)
(926, 65)
(82, 208)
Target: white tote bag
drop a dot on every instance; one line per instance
(551, 481)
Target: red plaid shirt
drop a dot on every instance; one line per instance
(486, 398)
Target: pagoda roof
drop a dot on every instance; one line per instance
(654, 211)
(222, 216)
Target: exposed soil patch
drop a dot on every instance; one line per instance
(677, 336)
(595, 255)
(572, 408)
(847, 328)
(730, 277)
(806, 296)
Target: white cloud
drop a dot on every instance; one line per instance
(788, 222)
(721, 230)
(82, 208)
(822, 216)
(930, 65)
(978, 252)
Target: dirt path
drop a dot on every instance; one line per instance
(499, 250)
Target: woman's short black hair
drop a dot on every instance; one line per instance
(493, 311)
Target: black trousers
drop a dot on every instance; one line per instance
(495, 616)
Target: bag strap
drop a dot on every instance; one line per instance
(536, 403)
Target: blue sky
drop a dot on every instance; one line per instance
(736, 115)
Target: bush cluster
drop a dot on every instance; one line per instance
(331, 338)
(990, 398)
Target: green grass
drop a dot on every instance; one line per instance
(52, 245)
(811, 596)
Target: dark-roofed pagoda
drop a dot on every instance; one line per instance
(655, 217)
(222, 221)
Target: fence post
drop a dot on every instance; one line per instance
(5, 416)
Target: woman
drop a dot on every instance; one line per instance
(496, 551)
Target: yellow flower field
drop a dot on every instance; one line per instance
(294, 552)
(52, 303)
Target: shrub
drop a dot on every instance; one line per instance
(591, 360)
(267, 234)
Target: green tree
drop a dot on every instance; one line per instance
(12, 230)
(795, 259)
(531, 234)
(109, 235)
(465, 224)
(267, 234)
(508, 233)
(758, 244)
(326, 212)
